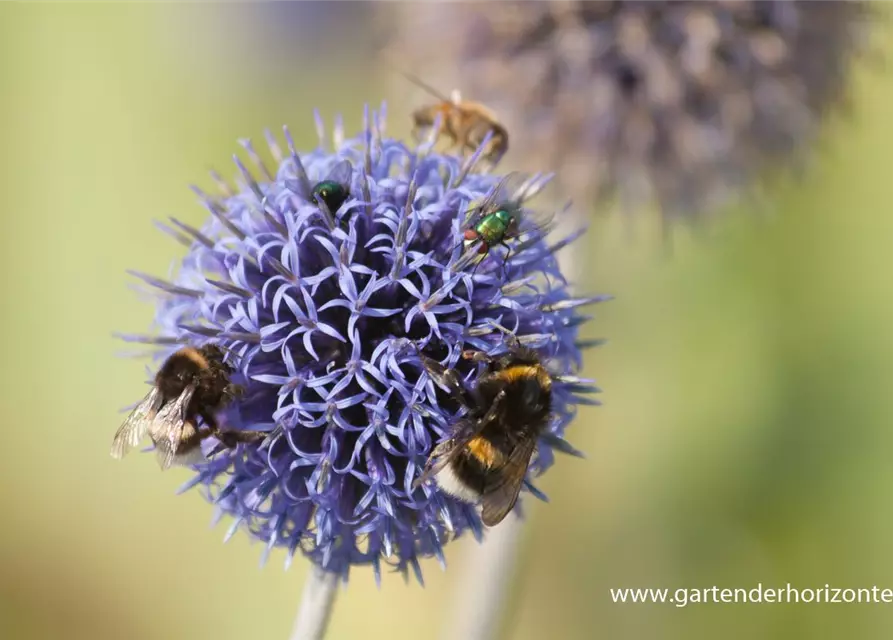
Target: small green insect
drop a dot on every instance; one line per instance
(334, 190)
(497, 219)
(492, 228)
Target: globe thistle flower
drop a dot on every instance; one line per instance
(325, 314)
(681, 103)
(305, 27)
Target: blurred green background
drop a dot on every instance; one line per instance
(745, 437)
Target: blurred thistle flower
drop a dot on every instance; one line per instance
(246, 47)
(321, 310)
(682, 104)
(307, 27)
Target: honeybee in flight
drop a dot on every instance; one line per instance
(192, 383)
(464, 122)
(509, 409)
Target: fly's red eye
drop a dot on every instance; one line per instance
(471, 234)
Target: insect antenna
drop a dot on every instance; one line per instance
(414, 79)
(235, 355)
(511, 338)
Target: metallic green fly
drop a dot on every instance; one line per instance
(498, 218)
(334, 189)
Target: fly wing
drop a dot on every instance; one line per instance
(508, 191)
(512, 189)
(341, 173)
(504, 483)
(532, 227)
(137, 424)
(166, 430)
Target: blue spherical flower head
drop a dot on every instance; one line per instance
(324, 314)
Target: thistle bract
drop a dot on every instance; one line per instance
(324, 315)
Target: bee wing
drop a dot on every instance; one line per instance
(501, 491)
(443, 453)
(137, 424)
(194, 455)
(341, 173)
(166, 430)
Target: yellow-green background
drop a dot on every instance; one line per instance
(746, 435)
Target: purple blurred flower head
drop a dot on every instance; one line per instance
(683, 104)
(324, 314)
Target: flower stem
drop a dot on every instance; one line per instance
(317, 603)
(482, 588)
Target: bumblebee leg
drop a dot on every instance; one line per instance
(494, 364)
(494, 409)
(232, 437)
(232, 392)
(447, 378)
(476, 356)
(229, 438)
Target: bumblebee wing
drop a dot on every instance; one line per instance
(137, 424)
(504, 484)
(341, 173)
(166, 430)
(194, 455)
(443, 453)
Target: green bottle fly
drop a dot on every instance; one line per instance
(334, 188)
(332, 193)
(492, 229)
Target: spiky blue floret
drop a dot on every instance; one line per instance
(323, 312)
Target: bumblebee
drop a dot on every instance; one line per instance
(463, 122)
(509, 409)
(191, 384)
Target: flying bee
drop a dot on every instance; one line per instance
(334, 190)
(465, 123)
(192, 383)
(508, 410)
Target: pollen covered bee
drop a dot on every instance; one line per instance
(192, 383)
(463, 122)
(509, 409)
